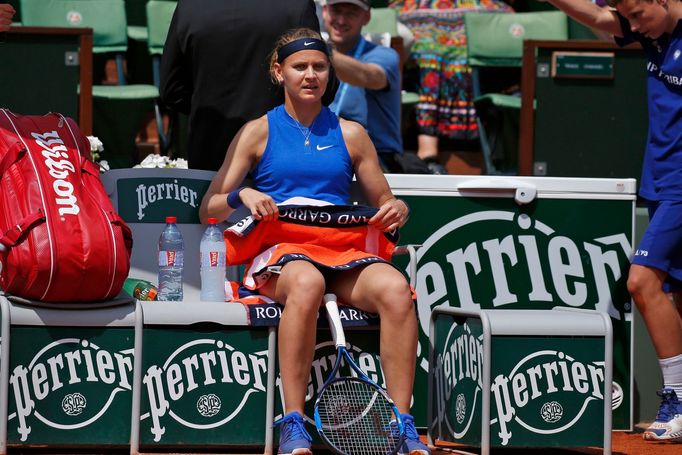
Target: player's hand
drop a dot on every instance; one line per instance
(6, 14)
(391, 215)
(261, 205)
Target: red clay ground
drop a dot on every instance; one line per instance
(622, 444)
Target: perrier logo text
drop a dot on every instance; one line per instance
(498, 259)
(555, 387)
(204, 384)
(166, 190)
(68, 368)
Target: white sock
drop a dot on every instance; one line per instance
(672, 374)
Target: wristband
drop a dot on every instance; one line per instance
(233, 199)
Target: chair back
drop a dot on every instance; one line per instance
(496, 39)
(384, 20)
(159, 15)
(143, 198)
(107, 19)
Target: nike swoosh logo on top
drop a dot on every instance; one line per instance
(308, 43)
(324, 147)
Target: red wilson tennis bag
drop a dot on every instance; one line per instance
(60, 237)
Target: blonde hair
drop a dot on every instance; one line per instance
(291, 35)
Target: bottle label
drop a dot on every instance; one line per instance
(171, 259)
(145, 292)
(212, 258)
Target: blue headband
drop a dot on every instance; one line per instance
(301, 44)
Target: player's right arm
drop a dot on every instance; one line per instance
(591, 15)
(242, 155)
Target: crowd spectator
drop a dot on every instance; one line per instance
(442, 76)
(370, 78)
(214, 67)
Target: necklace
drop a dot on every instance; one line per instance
(306, 132)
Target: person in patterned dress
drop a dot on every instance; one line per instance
(444, 84)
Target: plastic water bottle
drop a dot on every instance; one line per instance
(171, 261)
(212, 251)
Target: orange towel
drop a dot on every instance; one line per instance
(333, 237)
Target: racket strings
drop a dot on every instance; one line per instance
(356, 418)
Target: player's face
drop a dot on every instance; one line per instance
(650, 18)
(304, 74)
(344, 22)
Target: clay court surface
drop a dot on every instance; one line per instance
(622, 444)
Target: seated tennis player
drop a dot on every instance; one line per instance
(302, 150)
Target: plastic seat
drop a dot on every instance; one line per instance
(383, 20)
(495, 41)
(119, 110)
(159, 15)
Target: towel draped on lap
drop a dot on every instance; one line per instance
(333, 237)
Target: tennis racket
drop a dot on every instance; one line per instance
(354, 415)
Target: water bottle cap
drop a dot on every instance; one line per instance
(171, 219)
(213, 221)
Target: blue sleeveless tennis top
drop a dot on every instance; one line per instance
(288, 168)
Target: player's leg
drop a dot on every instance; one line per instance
(299, 287)
(676, 297)
(382, 289)
(662, 319)
(658, 258)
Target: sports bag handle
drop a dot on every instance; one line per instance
(89, 167)
(13, 235)
(11, 156)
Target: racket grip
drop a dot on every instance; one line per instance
(334, 320)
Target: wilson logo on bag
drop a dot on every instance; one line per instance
(60, 238)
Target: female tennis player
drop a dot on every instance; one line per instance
(301, 149)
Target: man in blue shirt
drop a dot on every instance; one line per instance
(657, 262)
(370, 90)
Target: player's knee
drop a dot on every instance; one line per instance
(636, 284)
(396, 295)
(310, 286)
(313, 282)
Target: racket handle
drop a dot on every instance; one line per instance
(334, 320)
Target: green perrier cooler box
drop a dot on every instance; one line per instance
(205, 376)
(523, 243)
(521, 378)
(70, 375)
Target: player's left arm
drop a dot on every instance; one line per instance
(393, 212)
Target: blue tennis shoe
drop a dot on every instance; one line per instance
(293, 437)
(412, 444)
(668, 423)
